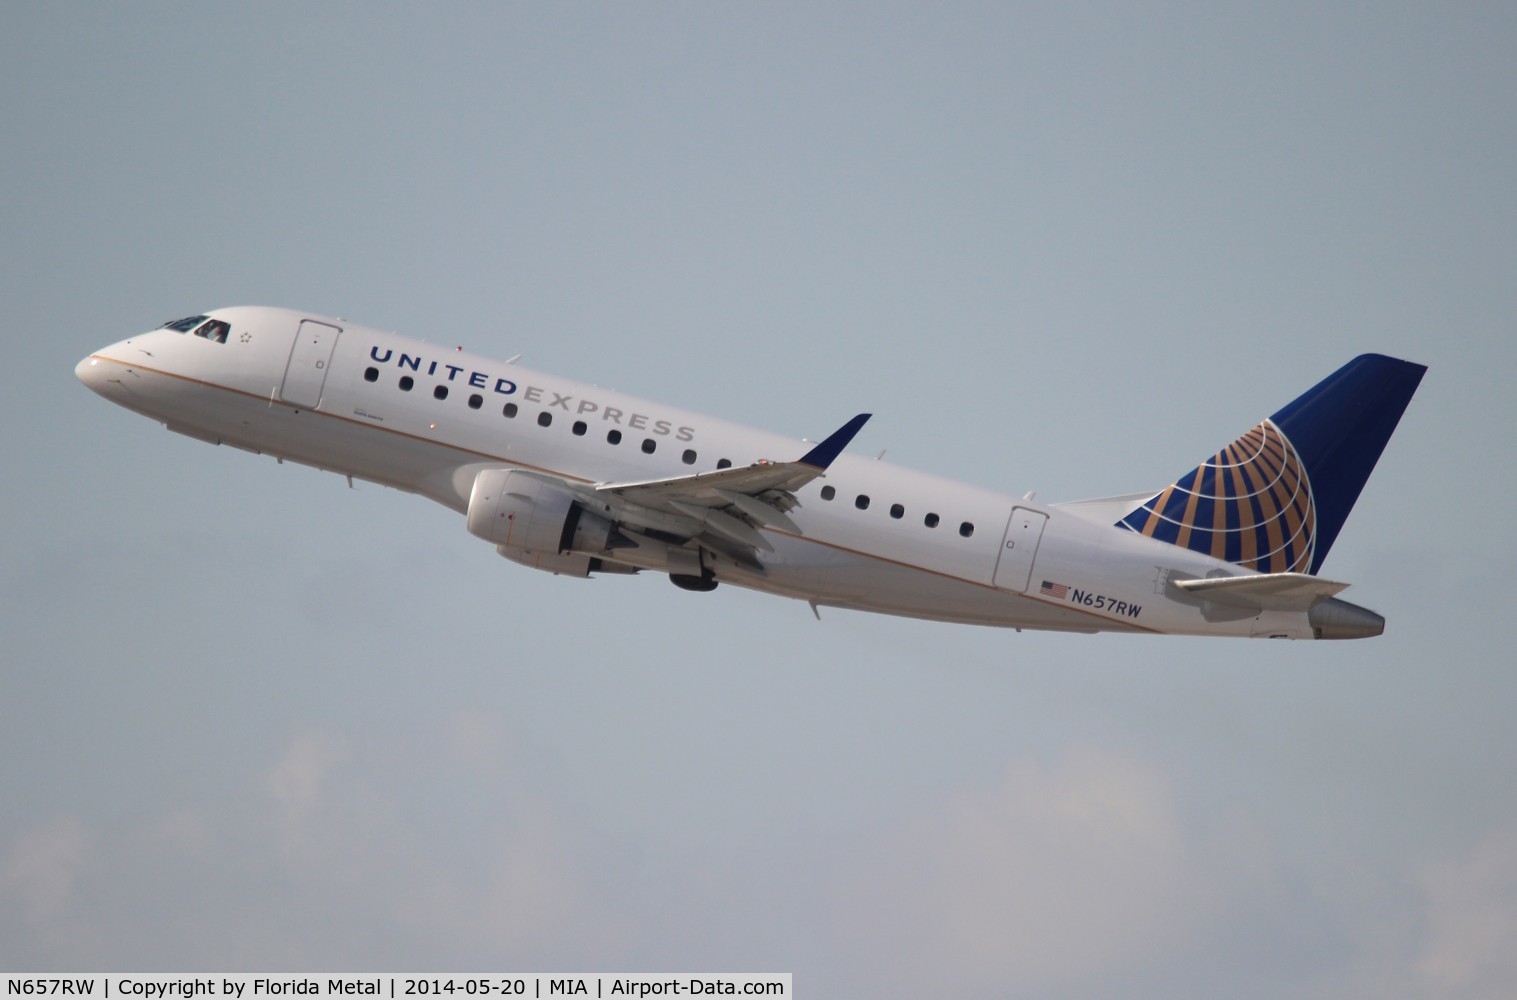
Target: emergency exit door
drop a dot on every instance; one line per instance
(306, 373)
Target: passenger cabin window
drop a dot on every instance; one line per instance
(476, 401)
(931, 520)
(897, 511)
(688, 457)
(371, 374)
(215, 331)
(580, 427)
(544, 419)
(440, 392)
(966, 529)
(406, 382)
(828, 492)
(725, 463)
(613, 436)
(649, 445)
(861, 501)
(509, 410)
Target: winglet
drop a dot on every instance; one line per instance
(823, 454)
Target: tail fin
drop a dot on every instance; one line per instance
(1275, 499)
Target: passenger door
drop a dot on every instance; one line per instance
(306, 373)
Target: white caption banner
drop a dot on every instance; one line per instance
(393, 986)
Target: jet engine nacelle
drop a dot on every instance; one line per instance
(519, 511)
(538, 523)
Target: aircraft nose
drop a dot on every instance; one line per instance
(91, 371)
(101, 375)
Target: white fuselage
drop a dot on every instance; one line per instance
(872, 536)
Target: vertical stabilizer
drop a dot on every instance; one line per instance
(1275, 499)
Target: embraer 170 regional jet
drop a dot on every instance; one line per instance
(578, 481)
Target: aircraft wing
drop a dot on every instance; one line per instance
(1264, 591)
(706, 488)
(723, 508)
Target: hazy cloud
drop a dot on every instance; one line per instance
(43, 866)
(1471, 944)
(517, 884)
(300, 789)
(1057, 874)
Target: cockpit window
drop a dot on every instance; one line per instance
(214, 330)
(184, 325)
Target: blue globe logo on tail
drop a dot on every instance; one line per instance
(1250, 504)
(1275, 500)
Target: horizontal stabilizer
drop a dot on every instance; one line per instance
(1264, 591)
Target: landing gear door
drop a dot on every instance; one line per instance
(1023, 533)
(306, 373)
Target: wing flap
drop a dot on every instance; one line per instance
(760, 511)
(724, 524)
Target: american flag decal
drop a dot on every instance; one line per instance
(1050, 589)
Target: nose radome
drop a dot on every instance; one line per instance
(93, 372)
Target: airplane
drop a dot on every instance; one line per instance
(579, 481)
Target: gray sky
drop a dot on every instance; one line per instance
(253, 720)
